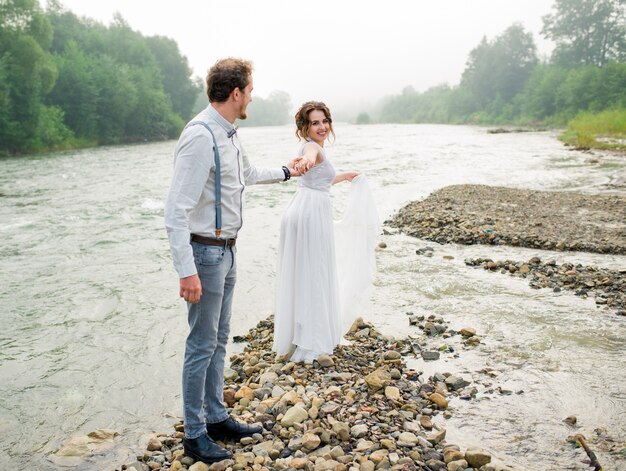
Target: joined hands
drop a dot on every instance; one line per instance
(299, 166)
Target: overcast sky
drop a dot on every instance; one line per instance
(344, 52)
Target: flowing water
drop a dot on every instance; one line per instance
(93, 328)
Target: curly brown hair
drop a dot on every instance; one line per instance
(302, 118)
(226, 75)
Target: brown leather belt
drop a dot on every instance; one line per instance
(211, 241)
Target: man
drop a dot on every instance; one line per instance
(203, 215)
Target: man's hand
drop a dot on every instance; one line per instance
(191, 289)
(299, 166)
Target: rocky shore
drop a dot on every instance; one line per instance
(607, 286)
(361, 408)
(480, 214)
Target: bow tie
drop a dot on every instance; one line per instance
(232, 132)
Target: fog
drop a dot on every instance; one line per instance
(345, 52)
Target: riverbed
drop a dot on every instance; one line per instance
(94, 329)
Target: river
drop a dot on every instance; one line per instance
(93, 328)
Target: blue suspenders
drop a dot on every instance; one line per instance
(218, 179)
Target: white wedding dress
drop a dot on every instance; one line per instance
(319, 293)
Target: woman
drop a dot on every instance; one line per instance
(307, 319)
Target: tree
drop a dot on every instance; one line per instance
(363, 118)
(498, 69)
(176, 74)
(272, 111)
(587, 32)
(27, 73)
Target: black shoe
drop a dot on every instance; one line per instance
(205, 449)
(230, 428)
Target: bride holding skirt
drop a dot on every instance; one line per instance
(325, 268)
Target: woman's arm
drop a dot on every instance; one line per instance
(310, 157)
(345, 177)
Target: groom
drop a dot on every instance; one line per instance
(203, 215)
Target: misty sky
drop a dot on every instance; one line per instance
(344, 52)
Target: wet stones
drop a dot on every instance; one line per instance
(608, 286)
(481, 214)
(363, 410)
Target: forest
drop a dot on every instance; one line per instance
(505, 82)
(69, 81)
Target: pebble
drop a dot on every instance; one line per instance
(481, 214)
(364, 411)
(608, 286)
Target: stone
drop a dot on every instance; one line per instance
(438, 399)
(477, 457)
(407, 439)
(230, 375)
(378, 455)
(154, 444)
(437, 437)
(310, 442)
(368, 466)
(456, 382)
(359, 430)
(244, 391)
(467, 332)
(325, 361)
(426, 422)
(378, 379)
(430, 356)
(392, 355)
(342, 430)
(294, 415)
(393, 393)
(199, 466)
(458, 465)
(450, 455)
(103, 434)
(221, 465)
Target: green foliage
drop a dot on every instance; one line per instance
(599, 130)
(175, 73)
(363, 118)
(68, 81)
(587, 32)
(503, 82)
(498, 69)
(27, 73)
(272, 111)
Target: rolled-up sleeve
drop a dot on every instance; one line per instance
(192, 166)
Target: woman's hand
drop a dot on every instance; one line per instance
(345, 177)
(351, 176)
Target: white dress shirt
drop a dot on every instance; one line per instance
(190, 205)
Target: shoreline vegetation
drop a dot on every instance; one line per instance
(71, 82)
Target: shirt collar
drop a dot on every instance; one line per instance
(219, 119)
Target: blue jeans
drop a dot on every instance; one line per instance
(205, 349)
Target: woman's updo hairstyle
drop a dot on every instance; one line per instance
(302, 118)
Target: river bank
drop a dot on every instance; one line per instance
(482, 214)
(98, 343)
(361, 408)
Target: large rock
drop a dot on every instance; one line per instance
(407, 439)
(477, 457)
(393, 393)
(359, 430)
(310, 442)
(458, 465)
(295, 415)
(438, 399)
(378, 379)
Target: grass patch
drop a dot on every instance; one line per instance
(604, 130)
